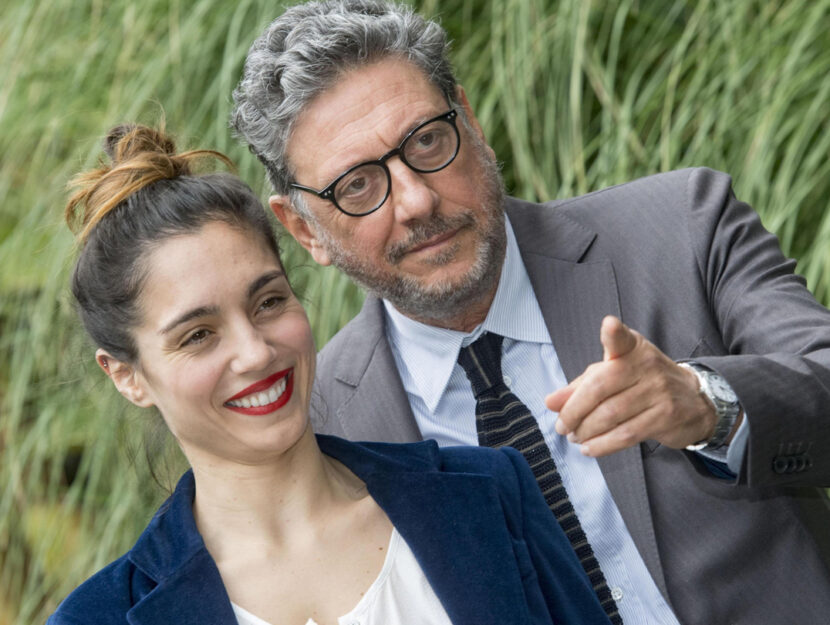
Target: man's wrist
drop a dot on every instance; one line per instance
(720, 396)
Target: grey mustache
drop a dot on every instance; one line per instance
(421, 232)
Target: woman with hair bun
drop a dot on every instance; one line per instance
(180, 285)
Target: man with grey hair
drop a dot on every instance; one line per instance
(682, 459)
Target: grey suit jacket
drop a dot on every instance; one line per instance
(679, 259)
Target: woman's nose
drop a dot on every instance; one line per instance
(252, 350)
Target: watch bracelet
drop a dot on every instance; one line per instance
(723, 425)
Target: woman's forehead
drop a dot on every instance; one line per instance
(203, 269)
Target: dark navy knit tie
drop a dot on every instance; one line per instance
(502, 420)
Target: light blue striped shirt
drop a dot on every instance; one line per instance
(444, 407)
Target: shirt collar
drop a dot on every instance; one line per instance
(429, 353)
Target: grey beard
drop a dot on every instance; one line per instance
(441, 300)
(445, 302)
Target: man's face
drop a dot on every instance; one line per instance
(435, 247)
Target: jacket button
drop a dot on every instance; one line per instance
(792, 464)
(804, 462)
(779, 464)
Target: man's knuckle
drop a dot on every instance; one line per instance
(600, 387)
(609, 414)
(662, 386)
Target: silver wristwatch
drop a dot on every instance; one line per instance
(716, 389)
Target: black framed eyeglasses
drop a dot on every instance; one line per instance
(363, 188)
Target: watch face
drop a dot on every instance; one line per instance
(721, 389)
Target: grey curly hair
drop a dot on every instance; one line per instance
(304, 51)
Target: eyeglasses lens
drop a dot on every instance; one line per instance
(362, 189)
(430, 148)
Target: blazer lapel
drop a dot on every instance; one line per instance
(367, 366)
(470, 566)
(575, 289)
(193, 595)
(171, 551)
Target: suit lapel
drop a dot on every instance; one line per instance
(470, 566)
(366, 365)
(574, 294)
(591, 294)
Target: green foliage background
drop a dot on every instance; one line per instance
(573, 95)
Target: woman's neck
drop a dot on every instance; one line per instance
(297, 538)
(270, 504)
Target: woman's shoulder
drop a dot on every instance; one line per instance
(104, 598)
(166, 542)
(484, 459)
(505, 465)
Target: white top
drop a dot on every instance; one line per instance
(400, 593)
(444, 407)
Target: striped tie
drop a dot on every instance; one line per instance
(502, 420)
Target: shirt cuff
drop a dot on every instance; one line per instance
(732, 455)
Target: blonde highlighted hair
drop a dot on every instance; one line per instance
(140, 156)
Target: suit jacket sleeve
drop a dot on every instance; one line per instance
(564, 585)
(776, 334)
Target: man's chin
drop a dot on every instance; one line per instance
(443, 294)
(439, 299)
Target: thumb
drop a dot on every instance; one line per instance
(617, 338)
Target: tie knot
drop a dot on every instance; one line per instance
(481, 361)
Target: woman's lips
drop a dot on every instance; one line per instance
(264, 396)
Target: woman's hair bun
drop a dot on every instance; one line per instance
(139, 155)
(128, 141)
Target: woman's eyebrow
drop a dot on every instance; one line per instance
(201, 311)
(264, 279)
(205, 311)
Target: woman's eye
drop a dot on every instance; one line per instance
(196, 337)
(270, 303)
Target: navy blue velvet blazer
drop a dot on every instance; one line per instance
(474, 518)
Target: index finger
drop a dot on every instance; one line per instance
(600, 382)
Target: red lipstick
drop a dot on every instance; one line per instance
(263, 385)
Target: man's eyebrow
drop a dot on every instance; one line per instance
(417, 122)
(264, 279)
(201, 311)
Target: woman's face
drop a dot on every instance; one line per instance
(225, 348)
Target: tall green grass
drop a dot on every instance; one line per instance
(573, 95)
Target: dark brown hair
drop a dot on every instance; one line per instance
(123, 209)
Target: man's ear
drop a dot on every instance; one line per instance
(125, 377)
(299, 228)
(461, 98)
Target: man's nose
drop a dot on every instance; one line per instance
(411, 197)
